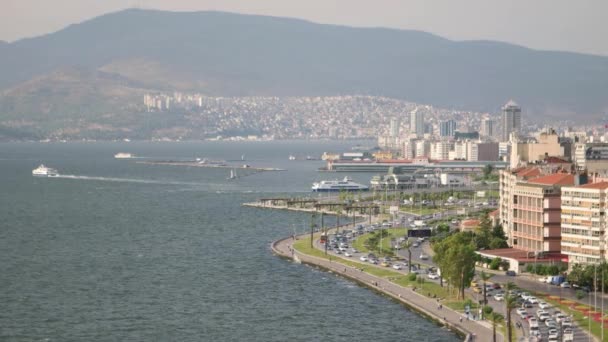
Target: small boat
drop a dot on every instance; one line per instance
(233, 174)
(123, 155)
(43, 171)
(292, 157)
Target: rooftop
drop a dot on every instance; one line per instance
(523, 255)
(600, 185)
(554, 179)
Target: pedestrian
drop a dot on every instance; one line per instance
(460, 319)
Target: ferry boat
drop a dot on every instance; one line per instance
(336, 185)
(43, 171)
(123, 155)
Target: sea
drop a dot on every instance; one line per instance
(120, 250)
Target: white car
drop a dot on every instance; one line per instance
(565, 285)
(346, 254)
(544, 317)
(553, 333)
(559, 317)
(532, 300)
(424, 257)
(499, 297)
(354, 250)
(363, 258)
(397, 266)
(525, 295)
(433, 276)
(544, 305)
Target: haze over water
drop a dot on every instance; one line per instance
(121, 251)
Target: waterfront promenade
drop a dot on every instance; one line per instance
(474, 330)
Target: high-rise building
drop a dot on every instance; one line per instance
(583, 227)
(447, 128)
(417, 122)
(511, 120)
(394, 128)
(487, 128)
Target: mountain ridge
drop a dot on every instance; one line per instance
(226, 54)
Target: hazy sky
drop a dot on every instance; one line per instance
(571, 25)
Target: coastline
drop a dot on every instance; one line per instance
(426, 307)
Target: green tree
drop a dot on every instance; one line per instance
(510, 303)
(443, 228)
(487, 171)
(455, 256)
(495, 263)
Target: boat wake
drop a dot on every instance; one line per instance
(124, 180)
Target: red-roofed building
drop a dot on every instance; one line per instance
(470, 225)
(530, 210)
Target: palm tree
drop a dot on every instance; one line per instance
(495, 318)
(484, 276)
(510, 303)
(408, 244)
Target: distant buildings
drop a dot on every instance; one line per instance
(510, 120)
(447, 128)
(533, 151)
(417, 122)
(487, 128)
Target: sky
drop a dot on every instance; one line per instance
(567, 25)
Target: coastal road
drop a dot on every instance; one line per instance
(428, 306)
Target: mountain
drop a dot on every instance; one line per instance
(232, 55)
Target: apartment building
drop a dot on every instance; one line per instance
(530, 205)
(583, 226)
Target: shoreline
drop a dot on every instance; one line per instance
(407, 297)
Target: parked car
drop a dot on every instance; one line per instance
(363, 258)
(397, 266)
(346, 254)
(499, 297)
(565, 285)
(424, 257)
(433, 276)
(510, 273)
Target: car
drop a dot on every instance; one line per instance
(363, 258)
(433, 276)
(424, 257)
(565, 285)
(567, 323)
(544, 317)
(550, 323)
(544, 305)
(533, 322)
(559, 317)
(535, 332)
(337, 251)
(525, 295)
(510, 273)
(541, 312)
(397, 266)
(354, 250)
(526, 304)
(499, 297)
(553, 333)
(373, 261)
(477, 289)
(496, 286)
(521, 311)
(416, 244)
(532, 300)
(346, 254)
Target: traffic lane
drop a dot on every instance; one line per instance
(553, 290)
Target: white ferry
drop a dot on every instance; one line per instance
(43, 171)
(123, 155)
(336, 185)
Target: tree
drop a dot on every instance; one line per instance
(443, 228)
(455, 256)
(495, 318)
(510, 303)
(484, 276)
(487, 171)
(495, 263)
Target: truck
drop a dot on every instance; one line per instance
(557, 280)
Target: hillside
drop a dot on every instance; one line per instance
(236, 55)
